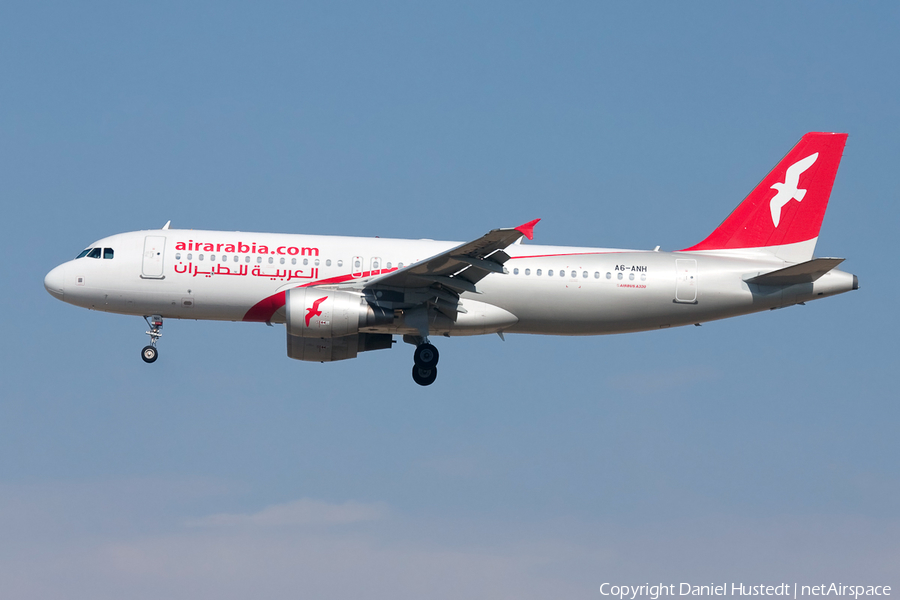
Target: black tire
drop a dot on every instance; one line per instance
(424, 376)
(426, 356)
(149, 354)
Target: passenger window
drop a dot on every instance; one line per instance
(94, 253)
(355, 264)
(178, 256)
(515, 271)
(259, 260)
(340, 263)
(538, 273)
(236, 259)
(399, 265)
(619, 276)
(317, 262)
(575, 274)
(643, 277)
(305, 261)
(83, 253)
(584, 275)
(596, 274)
(631, 277)
(212, 257)
(293, 261)
(199, 257)
(281, 261)
(528, 271)
(608, 275)
(328, 263)
(387, 266)
(107, 253)
(549, 273)
(246, 259)
(271, 260)
(190, 256)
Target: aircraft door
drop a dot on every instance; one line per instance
(154, 250)
(357, 266)
(686, 282)
(376, 266)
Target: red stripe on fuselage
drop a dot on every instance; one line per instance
(263, 310)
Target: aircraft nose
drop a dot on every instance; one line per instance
(54, 282)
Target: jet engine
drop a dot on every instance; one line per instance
(317, 313)
(323, 325)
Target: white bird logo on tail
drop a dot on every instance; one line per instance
(788, 191)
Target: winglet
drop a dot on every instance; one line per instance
(527, 229)
(166, 226)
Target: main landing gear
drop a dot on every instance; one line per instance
(150, 353)
(426, 358)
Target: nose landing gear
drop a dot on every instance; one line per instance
(149, 353)
(426, 358)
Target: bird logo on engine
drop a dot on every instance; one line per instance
(314, 310)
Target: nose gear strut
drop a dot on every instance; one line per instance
(149, 353)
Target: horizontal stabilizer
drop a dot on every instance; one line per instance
(805, 272)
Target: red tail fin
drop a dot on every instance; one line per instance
(788, 205)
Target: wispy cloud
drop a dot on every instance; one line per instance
(299, 549)
(300, 512)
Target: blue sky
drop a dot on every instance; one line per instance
(761, 447)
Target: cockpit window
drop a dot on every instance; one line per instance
(96, 253)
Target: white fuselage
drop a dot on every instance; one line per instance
(237, 276)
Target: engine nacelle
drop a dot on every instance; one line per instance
(340, 348)
(317, 313)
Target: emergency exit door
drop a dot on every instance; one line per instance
(686, 283)
(154, 251)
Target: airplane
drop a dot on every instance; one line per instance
(340, 296)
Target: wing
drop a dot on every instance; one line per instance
(460, 268)
(438, 281)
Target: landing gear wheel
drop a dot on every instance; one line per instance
(426, 356)
(424, 376)
(149, 354)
